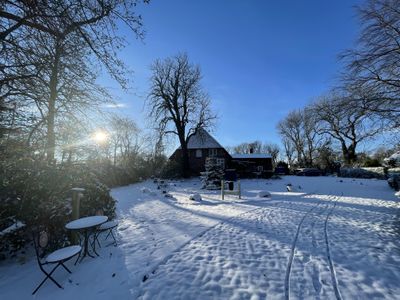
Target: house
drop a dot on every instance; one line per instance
(252, 164)
(202, 145)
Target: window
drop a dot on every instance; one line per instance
(199, 153)
(213, 152)
(221, 162)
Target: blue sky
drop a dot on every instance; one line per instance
(259, 59)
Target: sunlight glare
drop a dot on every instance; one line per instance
(100, 136)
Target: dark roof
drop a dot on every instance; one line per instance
(251, 155)
(202, 140)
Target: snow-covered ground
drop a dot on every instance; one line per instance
(330, 239)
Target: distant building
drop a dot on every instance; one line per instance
(202, 145)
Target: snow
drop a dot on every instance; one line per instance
(334, 238)
(17, 225)
(195, 197)
(202, 140)
(251, 155)
(63, 253)
(264, 194)
(108, 225)
(394, 156)
(86, 222)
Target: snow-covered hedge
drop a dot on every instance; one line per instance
(38, 194)
(378, 172)
(393, 171)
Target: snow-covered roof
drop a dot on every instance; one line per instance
(395, 156)
(202, 140)
(251, 155)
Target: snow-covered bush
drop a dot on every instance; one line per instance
(363, 172)
(145, 190)
(213, 174)
(393, 160)
(393, 171)
(195, 197)
(36, 193)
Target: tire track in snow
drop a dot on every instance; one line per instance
(147, 275)
(316, 276)
(289, 266)
(328, 252)
(165, 259)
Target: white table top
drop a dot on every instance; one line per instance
(86, 222)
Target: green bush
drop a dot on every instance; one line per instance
(171, 169)
(38, 194)
(371, 162)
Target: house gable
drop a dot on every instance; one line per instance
(200, 146)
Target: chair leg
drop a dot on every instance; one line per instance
(78, 258)
(96, 238)
(48, 276)
(112, 234)
(66, 268)
(108, 234)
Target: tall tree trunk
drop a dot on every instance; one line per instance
(345, 153)
(185, 154)
(349, 152)
(352, 152)
(51, 138)
(115, 155)
(185, 162)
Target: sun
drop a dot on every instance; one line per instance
(100, 136)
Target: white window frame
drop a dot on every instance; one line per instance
(199, 153)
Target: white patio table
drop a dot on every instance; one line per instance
(86, 225)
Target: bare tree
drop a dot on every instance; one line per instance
(124, 138)
(300, 129)
(245, 148)
(289, 150)
(242, 148)
(273, 150)
(373, 68)
(314, 141)
(177, 101)
(291, 129)
(345, 122)
(63, 87)
(37, 39)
